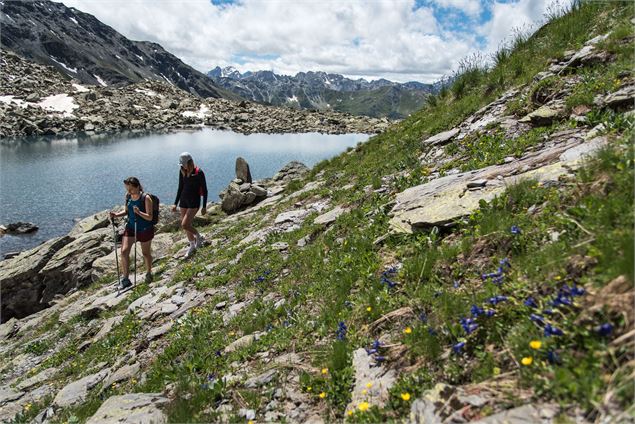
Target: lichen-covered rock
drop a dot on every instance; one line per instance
(131, 408)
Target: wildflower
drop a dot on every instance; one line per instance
(363, 406)
(490, 313)
(369, 309)
(605, 329)
(496, 371)
(325, 371)
(552, 357)
(251, 422)
(218, 353)
(309, 388)
(423, 317)
(535, 344)
(348, 304)
(364, 392)
(376, 344)
(405, 396)
(476, 311)
(268, 328)
(458, 347)
(505, 263)
(369, 384)
(27, 406)
(349, 413)
(537, 319)
(432, 331)
(515, 230)
(468, 325)
(552, 331)
(341, 331)
(407, 330)
(527, 360)
(322, 395)
(497, 299)
(548, 312)
(577, 291)
(456, 284)
(531, 302)
(557, 278)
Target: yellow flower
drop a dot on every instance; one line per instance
(350, 413)
(250, 422)
(369, 384)
(407, 330)
(527, 360)
(369, 309)
(496, 371)
(535, 344)
(364, 391)
(363, 406)
(231, 333)
(322, 395)
(325, 371)
(405, 396)
(27, 407)
(558, 278)
(308, 389)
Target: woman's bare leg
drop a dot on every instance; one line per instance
(126, 245)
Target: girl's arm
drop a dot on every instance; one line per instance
(204, 189)
(147, 215)
(178, 193)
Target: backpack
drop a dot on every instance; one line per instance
(155, 206)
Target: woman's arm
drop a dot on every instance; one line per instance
(147, 215)
(178, 192)
(204, 189)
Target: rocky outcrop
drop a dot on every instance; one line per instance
(131, 408)
(17, 228)
(37, 100)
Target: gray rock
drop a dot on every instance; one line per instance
(233, 199)
(330, 216)
(248, 198)
(77, 391)
(132, 408)
(261, 380)
(7, 394)
(477, 183)
(159, 331)
(623, 98)
(248, 414)
(242, 170)
(427, 409)
(526, 414)
(258, 190)
(366, 370)
(441, 138)
(280, 245)
(544, 115)
(242, 342)
(93, 222)
(122, 374)
(37, 379)
(20, 228)
(9, 329)
(244, 187)
(292, 170)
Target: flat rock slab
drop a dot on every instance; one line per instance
(330, 216)
(159, 331)
(9, 395)
(526, 414)
(380, 379)
(261, 380)
(122, 374)
(441, 138)
(443, 200)
(242, 342)
(41, 377)
(77, 391)
(137, 408)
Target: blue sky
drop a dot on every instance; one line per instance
(400, 40)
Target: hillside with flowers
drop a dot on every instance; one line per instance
(472, 263)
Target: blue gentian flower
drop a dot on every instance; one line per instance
(376, 344)
(531, 302)
(379, 358)
(456, 284)
(457, 348)
(605, 329)
(537, 319)
(468, 325)
(548, 312)
(423, 317)
(552, 357)
(515, 230)
(341, 331)
(497, 299)
(577, 291)
(476, 311)
(490, 313)
(552, 331)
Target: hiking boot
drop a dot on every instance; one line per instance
(149, 277)
(124, 283)
(190, 251)
(199, 240)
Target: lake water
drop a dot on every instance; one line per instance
(54, 182)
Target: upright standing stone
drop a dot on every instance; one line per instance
(242, 170)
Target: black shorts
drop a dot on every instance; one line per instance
(190, 203)
(142, 236)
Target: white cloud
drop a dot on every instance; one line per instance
(392, 39)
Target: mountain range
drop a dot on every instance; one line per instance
(82, 47)
(321, 90)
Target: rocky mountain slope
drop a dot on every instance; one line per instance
(473, 263)
(82, 47)
(38, 100)
(322, 91)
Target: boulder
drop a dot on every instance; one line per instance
(258, 190)
(526, 414)
(441, 138)
(77, 391)
(21, 283)
(329, 217)
(131, 408)
(93, 222)
(233, 199)
(291, 171)
(368, 371)
(17, 228)
(242, 170)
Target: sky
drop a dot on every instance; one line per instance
(400, 40)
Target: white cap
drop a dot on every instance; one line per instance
(184, 158)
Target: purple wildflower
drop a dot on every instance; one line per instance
(476, 311)
(552, 331)
(531, 302)
(605, 329)
(515, 230)
(341, 331)
(537, 319)
(457, 348)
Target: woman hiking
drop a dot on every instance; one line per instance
(192, 186)
(139, 211)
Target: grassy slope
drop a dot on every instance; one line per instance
(337, 278)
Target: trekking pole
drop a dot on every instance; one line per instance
(114, 239)
(135, 251)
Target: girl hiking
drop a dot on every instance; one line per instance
(138, 228)
(192, 186)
